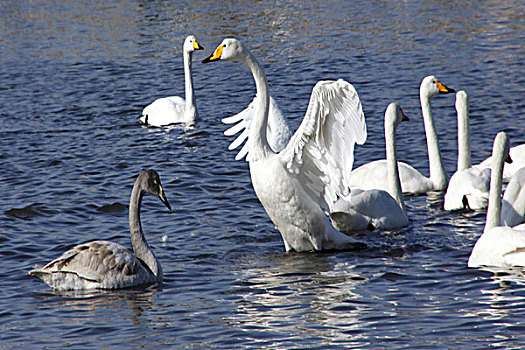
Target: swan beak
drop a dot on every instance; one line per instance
(508, 159)
(163, 198)
(216, 55)
(404, 118)
(196, 46)
(443, 89)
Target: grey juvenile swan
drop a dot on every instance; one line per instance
(109, 265)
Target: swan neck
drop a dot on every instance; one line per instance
(190, 108)
(141, 247)
(464, 160)
(394, 183)
(496, 178)
(437, 171)
(258, 143)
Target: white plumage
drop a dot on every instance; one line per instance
(312, 171)
(498, 245)
(513, 203)
(376, 208)
(175, 109)
(374, 175)
(469, 186)
(278, 131)
(517, 153)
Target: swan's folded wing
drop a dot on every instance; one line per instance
(94, 260)
(321, 152)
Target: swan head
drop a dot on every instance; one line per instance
(394, 115)
(191, 44)
(430, 87)
(149, 181)
(230, 49)
(501, 142)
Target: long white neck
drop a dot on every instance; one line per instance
(258, 143)
(464, 161)
(496, 176)
(140, 245)
(191, 109)
(437, 171)
(394, 184)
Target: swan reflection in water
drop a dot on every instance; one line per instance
(310, 287)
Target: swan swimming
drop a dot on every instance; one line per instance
(380, 209)
(174, 109)
(468, 187)
(312, 171)
(374, 175)
(499, 246)
(109, 265)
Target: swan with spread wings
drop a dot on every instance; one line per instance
(298, 184)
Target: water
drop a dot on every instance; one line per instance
(75, 77)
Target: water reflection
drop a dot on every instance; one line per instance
(300, 294)
(505, 297)
(133, 300)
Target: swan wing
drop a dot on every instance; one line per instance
(278, 131)
(321, 152)
(94, 261)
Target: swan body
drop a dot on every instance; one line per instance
(108, 265)
(513, 203)
(175, 109)
(374, 175)
(468, 187)
(517, 153)
(376, 208)
(278, 132)
(498, 245)
(311, 172)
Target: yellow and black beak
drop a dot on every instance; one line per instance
(443, 89)
(215, 56)
(404, 118)
(196, 46)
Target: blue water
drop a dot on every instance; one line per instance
(75, 76)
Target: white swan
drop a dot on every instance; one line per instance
(498, 245)
(278, 132)
(312, 171)
(513, 203)
(174, 109)
(383, 210)
(517, 153)
(469, 186)
(374, 175)
(108, 265)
